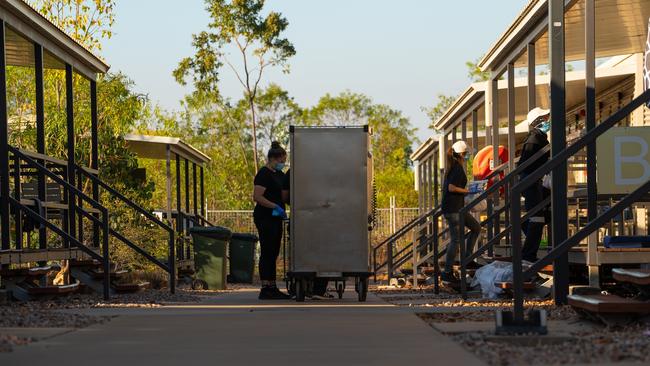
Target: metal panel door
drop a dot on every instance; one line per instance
(329, 200)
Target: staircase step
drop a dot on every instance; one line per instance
(640, 277)
(29, 272)
(99, 273)
(609, 304)
(35, 290)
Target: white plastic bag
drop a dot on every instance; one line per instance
(492, 273)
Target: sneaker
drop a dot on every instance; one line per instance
(272, 293)
(449, 278)
(281, 295)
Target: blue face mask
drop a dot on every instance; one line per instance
(466, 157)
(545, 126)
(279, 166)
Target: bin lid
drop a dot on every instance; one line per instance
(244, 237)
(216, 232)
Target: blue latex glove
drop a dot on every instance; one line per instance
(279, 212)
(475, 188)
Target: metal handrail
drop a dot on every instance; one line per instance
(104, 258)
(515, 208)
(493, 189)
(170, 267)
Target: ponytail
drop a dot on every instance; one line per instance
(276, 151)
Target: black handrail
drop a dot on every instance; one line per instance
(493, 189)
(68, 238)
(561, 157)
(170, 267)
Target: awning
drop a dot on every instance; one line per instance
(155, 147)
(621, 27)
(26, 26)
(607, 75)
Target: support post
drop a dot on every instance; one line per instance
(187, 187)
(4, 145)
(475, 131)
(494, 110)
(532, 92)
(590, 123)
(94, 146)
(558, 143)
(203, 208)
(168, 158)
(69, 102)
(195, 204)
(511, 117)
(40, 134)
(180, 230)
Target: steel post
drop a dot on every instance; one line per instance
(558, 143)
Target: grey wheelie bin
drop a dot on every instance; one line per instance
(210, 253)
(242, 258)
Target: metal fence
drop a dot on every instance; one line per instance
(388, 220)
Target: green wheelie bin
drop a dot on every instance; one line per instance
(242, 258)
(210, 253)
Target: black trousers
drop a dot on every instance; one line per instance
(534, 227)
(269, 230)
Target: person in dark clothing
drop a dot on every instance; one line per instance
(319, 290)
(268, 215)
(538, 120)
(453, 199)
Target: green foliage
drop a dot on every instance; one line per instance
(88, 22)
(474, 72)
(434, 113)
(238, 25)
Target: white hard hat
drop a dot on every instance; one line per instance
(460, 147)
(535, 114)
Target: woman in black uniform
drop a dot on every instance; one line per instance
(268, 215)
(453, 199)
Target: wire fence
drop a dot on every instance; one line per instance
(387, 221)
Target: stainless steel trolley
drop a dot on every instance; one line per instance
(332, 208)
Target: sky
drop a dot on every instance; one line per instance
(401, 53)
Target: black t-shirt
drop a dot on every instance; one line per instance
(452, 202)
(535, 141)
(272, 181)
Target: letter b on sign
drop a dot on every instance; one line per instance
(623, 151)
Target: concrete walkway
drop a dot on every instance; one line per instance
(237, 329)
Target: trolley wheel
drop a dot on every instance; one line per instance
(340, 288)
(301, 289)
(199, 285)
(363, 289)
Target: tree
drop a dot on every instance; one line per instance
(239, 25)
(276, 111)
(474, 73)
(434, 113)
(345, 109)
(88, 22)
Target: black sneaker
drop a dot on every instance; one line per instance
(267, 293)
(272, 293)
(449, 278)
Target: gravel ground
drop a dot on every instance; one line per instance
(605, 345)
(625, 344)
